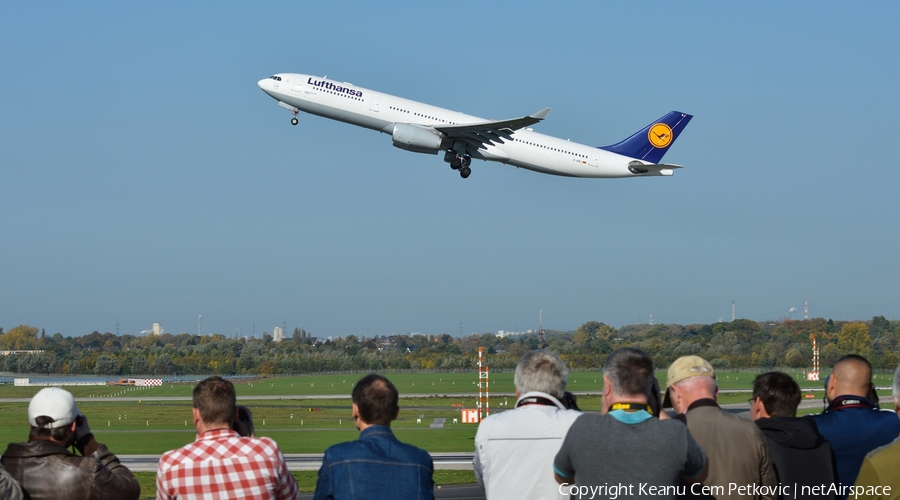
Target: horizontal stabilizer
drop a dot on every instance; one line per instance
(638, 167)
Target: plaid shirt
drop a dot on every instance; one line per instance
(220, 464)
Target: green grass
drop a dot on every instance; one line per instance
(407, 383)
(153, 427)
(306, 480)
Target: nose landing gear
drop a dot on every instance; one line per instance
(294, 120)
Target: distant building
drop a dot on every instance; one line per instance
(157, 329)
(277, 334)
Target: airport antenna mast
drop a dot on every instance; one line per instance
(814, 373)
(199, 325)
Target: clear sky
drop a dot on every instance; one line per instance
(145, 177)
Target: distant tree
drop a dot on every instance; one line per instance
(163, 365)
(107, 364)
(20, 337)
(880, 325)
(139, 366)
(854, 339)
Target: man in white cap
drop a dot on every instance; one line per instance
(47, 470)
(736, 448)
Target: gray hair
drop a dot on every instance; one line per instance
(542, 371)
(629, 371)
(897, 385)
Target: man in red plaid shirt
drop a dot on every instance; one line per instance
(220, 463)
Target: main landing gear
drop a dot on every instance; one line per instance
(294, 120)
(459, 162)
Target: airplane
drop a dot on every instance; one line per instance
(422, 128)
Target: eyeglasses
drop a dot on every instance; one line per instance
(751, 400)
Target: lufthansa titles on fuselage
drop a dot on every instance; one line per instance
(325, 84)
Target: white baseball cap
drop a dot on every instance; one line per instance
(55, 403)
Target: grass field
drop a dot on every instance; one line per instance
(407, 383)
(309, 425)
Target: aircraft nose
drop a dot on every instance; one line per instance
(263, 84)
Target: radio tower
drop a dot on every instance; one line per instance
(199, 325)
(806, 309)
(541, 335)
(480, 409)
(814, 374)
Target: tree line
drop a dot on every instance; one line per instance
(738, 344)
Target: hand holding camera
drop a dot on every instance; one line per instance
(243, 424)
(82, 428)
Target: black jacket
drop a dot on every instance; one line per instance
(800, 454)
(46, 470)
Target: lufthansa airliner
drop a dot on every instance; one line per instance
(422, 128)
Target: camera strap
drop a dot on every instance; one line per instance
(631, 407)
(535, 400)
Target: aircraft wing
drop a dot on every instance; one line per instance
(490, 132)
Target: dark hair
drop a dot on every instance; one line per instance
(778, 392)
(377, 400)
(216, 401)
(629, 371)
(43, 433)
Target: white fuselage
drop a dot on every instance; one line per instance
(378, 111)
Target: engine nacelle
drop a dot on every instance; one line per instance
(416, 138)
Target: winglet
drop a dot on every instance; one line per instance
(540, 115)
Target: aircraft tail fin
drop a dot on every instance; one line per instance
(651, 142)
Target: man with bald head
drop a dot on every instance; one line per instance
(852, 421)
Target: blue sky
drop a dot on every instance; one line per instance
(145, 177)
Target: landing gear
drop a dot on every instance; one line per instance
(294, 120)
(459, 162)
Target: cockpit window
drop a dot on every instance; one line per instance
(276, 78)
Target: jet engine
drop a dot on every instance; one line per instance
(416, 138)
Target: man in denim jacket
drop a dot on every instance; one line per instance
(377, 465)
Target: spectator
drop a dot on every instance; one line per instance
(377, 465)
(9, 487)
(221, 463)
(627, 446)
(735, 447)
(852, 423)
(800, 455)
(514, 449)
(45, 469)
(879, 469)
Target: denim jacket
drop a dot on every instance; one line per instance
(376, 466)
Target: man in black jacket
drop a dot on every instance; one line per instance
(802, 457)
(47, 470)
